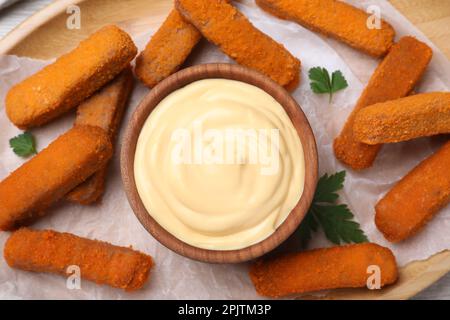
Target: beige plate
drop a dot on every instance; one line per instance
(44, 36)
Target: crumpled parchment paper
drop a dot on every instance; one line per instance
(176, 277)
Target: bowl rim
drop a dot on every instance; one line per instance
(232, 72)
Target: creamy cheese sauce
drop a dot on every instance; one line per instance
(219, 164)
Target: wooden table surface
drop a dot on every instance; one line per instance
(432, 17)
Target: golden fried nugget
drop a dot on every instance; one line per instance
(394, 78)
(167, 50)
(91, 190)
(320, 269)
(53, 252)
(69, 160)
(105, 110)
(416, 198)
(228, 28)
(335, 19)
(71, 79)
(404, 119)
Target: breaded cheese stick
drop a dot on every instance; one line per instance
(394, 78)
(321, 269)
(167, 49)
(416, 198)
(105, 110)
(53, 252)
(228, 28)
(404, 119)
(335, 19)
(71, 79)
(69, 160)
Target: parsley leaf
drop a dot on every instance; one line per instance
(327, 187)
(338, 81)
(306, 228)
(335, 220)
(23, 145)
(321, 82)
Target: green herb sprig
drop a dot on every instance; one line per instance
(321, 82)
(336, 220)
(23, 145)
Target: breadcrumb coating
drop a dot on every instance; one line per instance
(104, 109)
(71, 79)
(321, 269)
(335, 19)
(404, 119)
(167, 49)
(69, 160)
(395, 77)
(225, 26)
(53, 252)
(416, 198)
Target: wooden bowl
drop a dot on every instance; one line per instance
(232, 72)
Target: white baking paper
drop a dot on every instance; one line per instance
(176, 277)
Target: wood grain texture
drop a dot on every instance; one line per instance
(14, 15)
(432, 17)
(44, 36)
(232, 72)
